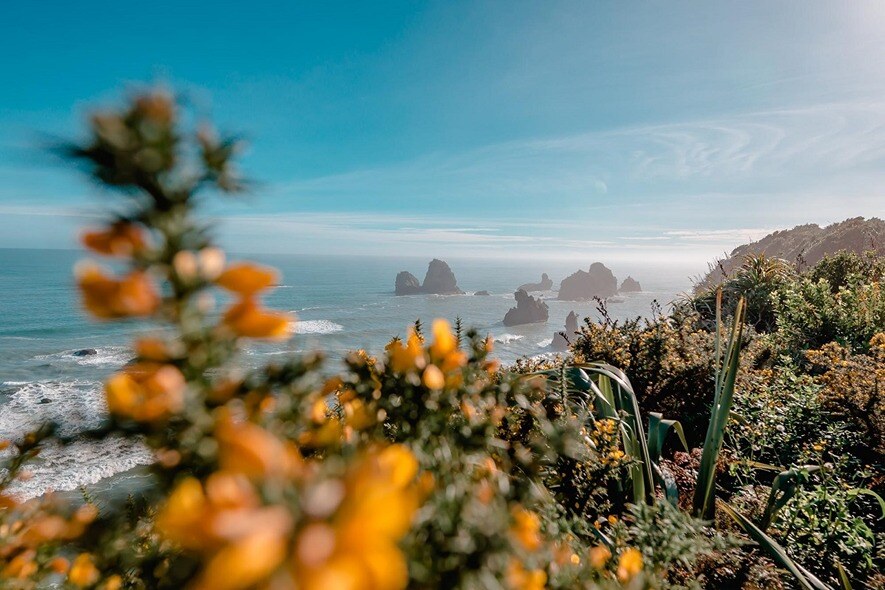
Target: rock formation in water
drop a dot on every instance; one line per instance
(598, 281)
(85, 352)
(561, 340)
(528, 310)
(630, 285)
(807, 244)
(545, 285)
(407, 284)
(483, 293)
(439, 280)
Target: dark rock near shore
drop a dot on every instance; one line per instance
(439, 280)
(483, 293)
(528, 310)
(630, 285)
(598, 281)
(85, 352)
(45, 400)
(561, 340)
(545, 285)
(407, 284)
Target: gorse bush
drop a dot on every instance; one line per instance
(430, 466)
(425, 467)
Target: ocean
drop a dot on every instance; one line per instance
(342, 304)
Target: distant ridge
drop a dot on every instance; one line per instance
(807, 244)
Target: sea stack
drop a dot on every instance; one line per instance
(528, 310)
(630, 285)
(562, 340)
(545, 285)
(439, 280)
(598, 281)
(407, 284)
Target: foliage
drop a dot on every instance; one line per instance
(431, 466)
(754, 280)
(425, 467)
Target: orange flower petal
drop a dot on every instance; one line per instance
(120, 239)
(246, 278)
(247, 319)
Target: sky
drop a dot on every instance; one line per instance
(589, 130)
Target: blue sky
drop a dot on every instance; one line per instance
(587, 130)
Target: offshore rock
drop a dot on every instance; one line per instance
(407, 284)
(598, 281)
(561, 340)
(439, 280)
(528, 310)
(545, 285)
(630, 285)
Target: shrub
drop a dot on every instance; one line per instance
(754, 280)
(810, 314)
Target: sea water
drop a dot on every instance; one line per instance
(342, 304)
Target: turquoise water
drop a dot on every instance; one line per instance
(341, 303)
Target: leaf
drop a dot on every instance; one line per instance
(869, 492)
(726, 375)
(843, 577)
(658, 429)
(806, 579)
(783, 488)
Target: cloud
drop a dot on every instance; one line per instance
(838, 148)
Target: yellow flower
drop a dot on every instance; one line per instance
(248, 319)
(629, 564)
(406, 357)
(107, 298)
(444, 341)
(146, 392)
(358, 548)
(120, 239)
(244, 563)
(152, 349)
(247, 279)
(83, 572)
(21, 566)
(519, 578)
(59, 565)
(357, 415)
(526, 529)
(599, 556)
(247, 448)
(434, 378)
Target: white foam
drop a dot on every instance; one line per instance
(74, 406)
(80, 463)
(317, 327)
(107, 356)
(545, 343)
(507, 338)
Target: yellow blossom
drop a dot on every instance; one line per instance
(106, 297)
(434, 378)
(146, 392)
(526, 529)
(247, 448)
(248, 319)
(519, 578)
(599, 556)
(247, 279)
(629, 564)
(83, 571)
(120, 239)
